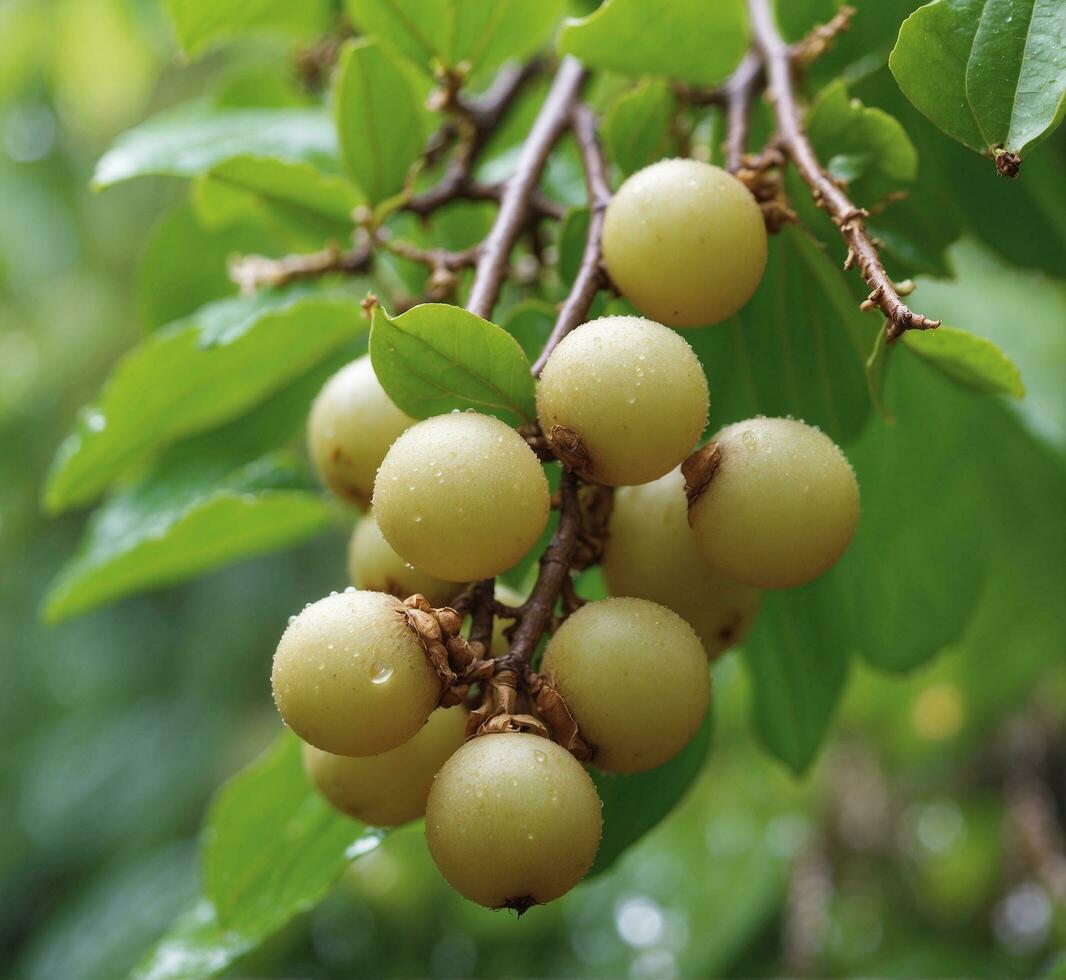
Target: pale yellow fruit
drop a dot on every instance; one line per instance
(632, 394)
(461, 496)
(781, 505)
(651, 553)
(635, 678)
(373, 565)
(391, 788)
(513, 820)
(350, 428)
(351, 677)
(685, 242)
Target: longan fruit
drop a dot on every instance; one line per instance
(351, 676)
(778, 503)
(685, 242)
(635, 678)
(350, 428)
(651, 554)
(388, 789)
(513, 820)
(374, 566)
(622, 400)
(461, 496)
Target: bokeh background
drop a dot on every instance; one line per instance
(927, 841)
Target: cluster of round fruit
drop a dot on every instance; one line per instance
(512, 818)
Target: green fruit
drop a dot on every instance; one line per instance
(351, 676)
(635, 678)
(350, 428)
(375, 567)
(622, 400)
(388, 789)
(461, 496)
(651, 554)
(778, 506)
(513, 820)
(685, 242)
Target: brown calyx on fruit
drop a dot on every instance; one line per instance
(699, 469)
(519, 905)
(568, 447)
(438, 632)
(553, 709)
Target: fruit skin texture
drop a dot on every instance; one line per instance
(350, 428)
(374, 566)
(632, 391)
(781, 507)
(461, 496)
(388, 789)
(512, 820)
(635, 678)
(651, 554)
(351, 677)
(685, 242)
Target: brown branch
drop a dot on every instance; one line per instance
(827, 194)
(737, 96)
(482, 612)
(458, 185)
(547, 128)
(590, 276)
(250, 272)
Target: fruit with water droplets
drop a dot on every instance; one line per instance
(513, 820)
(622, 400)
(351, 676)
(388, 789)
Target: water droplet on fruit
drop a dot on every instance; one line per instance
(540, 756)
(380, 673)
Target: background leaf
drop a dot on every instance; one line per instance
(437, 358)
(195, 374)
(988, 74)
(967, 359)
(636, 129)
(379, 122)
(695, 41)
(632, 805)
(203, 23)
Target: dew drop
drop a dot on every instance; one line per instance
(540, 756)
(350, 589)
(292, 619)
(379, 672)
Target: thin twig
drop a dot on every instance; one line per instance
(547, 128)
(250, 272)
(737, 97)
(590, 276)
(827, 194)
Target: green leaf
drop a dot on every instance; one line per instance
(207, 501)
(201, 24)
(864, 146)
(989, 73)
(437, 358)
(573, 234)
(530, 322)
(693, 40)
(632, 805)
(798, 348)
(636, 129)
(877, 372)
(272, 847)
(968, 360)
(192, 139)
(195, 374)
(379, 123)
(798, 654)
(453, 31)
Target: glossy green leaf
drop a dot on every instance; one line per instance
(195, 138)
(207, 501)
(200, 24)
(632, 805)
(636, 129)
(693, 40)
(530, 322)
(989, 73)
(437, 358)
(450, 32)
(378, 118)
(194, 374)
(968, 360)
(573, 235)
(272, 847)
(864, 146)
(877, 373)
(798, 348)
(798, 655)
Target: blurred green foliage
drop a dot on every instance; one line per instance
(907, 851)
